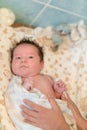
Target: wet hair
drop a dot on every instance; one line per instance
(27, 41)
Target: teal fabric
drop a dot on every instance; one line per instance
(47, 12)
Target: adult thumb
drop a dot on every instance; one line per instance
(53, 103)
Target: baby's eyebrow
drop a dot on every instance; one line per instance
(17, 56)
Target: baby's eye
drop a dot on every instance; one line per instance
(30, 57)
(18, 57)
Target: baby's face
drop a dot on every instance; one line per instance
(26, 61)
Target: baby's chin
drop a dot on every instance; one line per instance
(24, 75)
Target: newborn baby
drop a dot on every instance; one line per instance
(28, 82)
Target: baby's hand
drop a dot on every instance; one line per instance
(59, 86)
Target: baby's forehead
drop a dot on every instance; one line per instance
(25, 44)
(25, 48)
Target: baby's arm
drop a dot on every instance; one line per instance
(81, 122)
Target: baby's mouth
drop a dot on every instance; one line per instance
(24, 66)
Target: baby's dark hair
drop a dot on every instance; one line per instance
(27, 41)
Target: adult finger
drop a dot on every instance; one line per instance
(53, 103)
(35, 107)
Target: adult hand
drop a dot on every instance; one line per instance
(44, 118)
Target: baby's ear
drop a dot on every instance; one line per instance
(42, 65)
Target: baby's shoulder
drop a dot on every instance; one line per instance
(48, 77)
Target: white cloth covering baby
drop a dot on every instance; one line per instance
(14, 98)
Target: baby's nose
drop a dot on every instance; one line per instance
(24, 60)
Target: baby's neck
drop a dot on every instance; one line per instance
(29, 82)
(30, 77)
